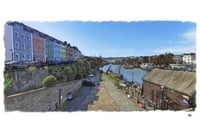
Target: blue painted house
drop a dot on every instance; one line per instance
(18, 43)
(49, 49)
(57, 51)
(75, 54)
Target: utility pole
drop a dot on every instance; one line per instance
(162, 103)
(59, 99)
(132, 77)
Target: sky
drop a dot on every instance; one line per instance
(121, 38)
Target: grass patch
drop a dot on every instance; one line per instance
(113, 77)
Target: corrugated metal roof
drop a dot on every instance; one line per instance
(181, 81)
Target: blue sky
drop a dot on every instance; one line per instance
(121, 39)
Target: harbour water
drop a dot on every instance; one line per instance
(135, 74)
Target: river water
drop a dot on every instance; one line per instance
(135, 74)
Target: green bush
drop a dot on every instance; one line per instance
(7, 82)
(79, 76)
(49, 81)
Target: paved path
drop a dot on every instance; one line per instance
(119, 101)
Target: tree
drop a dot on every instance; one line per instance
(69, 73)
(166, 59)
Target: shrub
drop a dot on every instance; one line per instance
(49, 81)
(7, 82)
(79, 76)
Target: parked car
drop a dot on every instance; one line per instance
(70, 96)
(88, 83)
(15, 65)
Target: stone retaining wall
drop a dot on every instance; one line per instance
(25, 81)
(39, 100)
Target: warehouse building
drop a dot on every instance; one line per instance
(168, 89)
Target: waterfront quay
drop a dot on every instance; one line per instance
(110, 98)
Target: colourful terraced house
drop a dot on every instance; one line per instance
(63, 53)
(18, 44)
(70, 53)
(25, 44)
(49, 50)
(57, 51)
(75, 53)
(38, 47)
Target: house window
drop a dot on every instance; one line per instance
(23, 46)
(16, 56)
(27, 37)
(28, 46)
(28, 56)
(34, 40)
(16, 45)
(23, 37)
(23, 56)
(16, 34)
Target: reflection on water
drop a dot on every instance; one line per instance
(135, 74)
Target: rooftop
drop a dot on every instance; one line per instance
(179, 81)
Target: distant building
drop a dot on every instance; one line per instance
(177, 66)
(178, 59)
(169, 89)
(146, 65)
(189, 58)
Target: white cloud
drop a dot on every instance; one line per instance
(190, 35)
(176, 49)
(186, 44)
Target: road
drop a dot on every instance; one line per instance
(85, 96)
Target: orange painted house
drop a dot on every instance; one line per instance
(38, 48)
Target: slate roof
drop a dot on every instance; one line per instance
(181, 81)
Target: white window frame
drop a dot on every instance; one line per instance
(23, 56)
(16, 42)
(28, 57)
(23, 46)
(28, 46)
(23, 36)
(16, 34)
(17, 54)
(28, 37)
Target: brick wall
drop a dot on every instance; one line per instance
(150, 89)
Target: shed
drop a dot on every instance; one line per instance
(176, 84)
